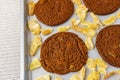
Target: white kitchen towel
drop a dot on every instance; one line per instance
(9, 39)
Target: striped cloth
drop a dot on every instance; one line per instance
(9, 39)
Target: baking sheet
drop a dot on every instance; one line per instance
(26, 38)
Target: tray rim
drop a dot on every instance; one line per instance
(24, 73)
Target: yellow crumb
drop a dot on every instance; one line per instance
(47, 31)
(101, 63)
(110, 74)
(118, 15)
(110, 20)
(89, 43)
(58, 78)
(76, 28)
(81, 73)
(35, 64)
(75, 77)
(88, 32)
(96, 19)
(74, 22)
(90, 25)
(34, 27)
(77, 2)
(63, 28)
(45, 77)
(91, 64)
(81, 11)
(94, 75)
(36, 42)
(31, 6)
(102, 70)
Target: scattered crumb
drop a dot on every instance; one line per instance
(81, 73)
(110, 74)
(31, 6)
(94, 75)
(34, 27)
(118, 15)
(47, 31)
(63, 28)
(89, 43)
(81, 11)
(58, 78)
(77, 2)
(102, 70)
(75, 77)
(35, 44)
(101, 63)
(44, 77)
(110, 20)
(35, 64)
(96, 19)
(91, 64)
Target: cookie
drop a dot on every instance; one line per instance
(102, 7)
(108, 44)
(53, 12)
(63, 52)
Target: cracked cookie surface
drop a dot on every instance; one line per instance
(53, 12)
(102, 7)
(63, 52)
(108, 44)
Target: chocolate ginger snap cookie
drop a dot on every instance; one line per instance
(108, 44)
(63, 52)
(102, 7)
(53, 12)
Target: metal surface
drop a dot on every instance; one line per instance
(26, 37)
(24, 72)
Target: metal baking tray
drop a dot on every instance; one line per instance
(26, 37)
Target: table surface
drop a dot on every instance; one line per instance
(9, 39)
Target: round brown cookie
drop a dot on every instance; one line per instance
(53, 12)
(63, 52)
(108, 44)
(102, 7)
